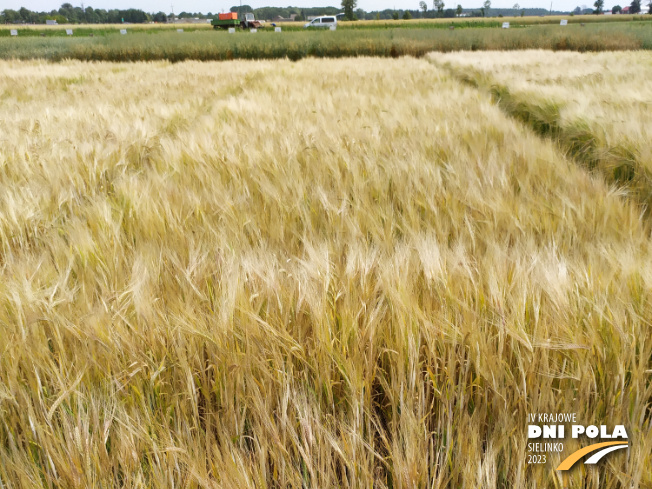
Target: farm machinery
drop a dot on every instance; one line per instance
(230, 19)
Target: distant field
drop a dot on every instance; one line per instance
(493, 21)
(152, 43)
(345, 273)
(459, 22)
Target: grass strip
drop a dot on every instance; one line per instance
(218, 46)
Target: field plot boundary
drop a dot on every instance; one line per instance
(618, 164)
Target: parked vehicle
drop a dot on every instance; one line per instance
(326, 21)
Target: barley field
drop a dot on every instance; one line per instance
(325, 273)
(607, 92)
(597, 105)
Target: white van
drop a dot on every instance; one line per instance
(322, 22)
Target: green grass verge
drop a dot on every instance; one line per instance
(459, 23)
(211, 45)
(86, 31)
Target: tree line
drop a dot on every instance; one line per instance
(67, 14)
(351, 12)
(634, 7)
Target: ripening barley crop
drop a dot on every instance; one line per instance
(607, 92)
(329, 273)
(596, 106)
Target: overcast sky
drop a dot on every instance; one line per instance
(224, 5)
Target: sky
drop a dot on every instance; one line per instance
(224, 5)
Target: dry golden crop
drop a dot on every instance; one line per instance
(329, 273)
(607, 92)
(595, 106)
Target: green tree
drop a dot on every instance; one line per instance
(25, 14)
(438, 5)
(423, 6)
(635, 7)
(395, 15)
(459, 10)
(598, 6)
(616, 9)
(11, 16)
(407, 15)
(486, 6)
(649, 7)
(91, 16)
(241, 10)
(349, 7)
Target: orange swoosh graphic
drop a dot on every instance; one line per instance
(575, 456)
